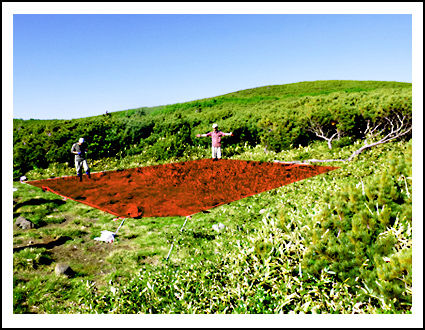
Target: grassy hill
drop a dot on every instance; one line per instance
(335, 243)
(276, 117)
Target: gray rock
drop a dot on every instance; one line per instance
(63, 269)
(24, 223)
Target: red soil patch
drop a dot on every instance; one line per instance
(177, 189)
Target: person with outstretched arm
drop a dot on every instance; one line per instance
(216, 141)
(80, 149)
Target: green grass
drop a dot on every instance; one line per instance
(251, 267)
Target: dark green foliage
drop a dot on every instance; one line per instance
(282, 132)
(342, 142)
(278, 117)
(350, 235)
(177, 138)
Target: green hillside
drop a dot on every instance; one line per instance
(274, 116)
(336, 243)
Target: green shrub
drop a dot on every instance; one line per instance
(350, 234)
(342, 142)
(279, 134)
(275, 116)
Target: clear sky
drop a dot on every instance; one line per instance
(70, 66)
(61, 66)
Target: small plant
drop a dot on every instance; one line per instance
(31, 258)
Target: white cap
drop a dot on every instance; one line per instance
(81, 140)
(215, 125)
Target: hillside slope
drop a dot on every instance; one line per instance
(340, 242)
(277, 117)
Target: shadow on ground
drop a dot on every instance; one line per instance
(50, 245)
(38, 201)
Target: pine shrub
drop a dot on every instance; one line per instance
(354, 234)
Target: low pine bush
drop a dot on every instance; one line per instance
(355, 234)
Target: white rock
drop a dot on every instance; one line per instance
(218, 227)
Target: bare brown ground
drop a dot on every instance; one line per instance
(178, 189)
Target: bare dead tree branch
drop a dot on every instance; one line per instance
(384, 131)
(399, 126)
(317, 129)
(371, 132)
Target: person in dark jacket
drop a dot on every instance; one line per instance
(80, 149)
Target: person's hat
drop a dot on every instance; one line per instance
(81, 140)
(215, 125)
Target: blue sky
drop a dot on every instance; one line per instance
(59, 66)
(71, 66)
